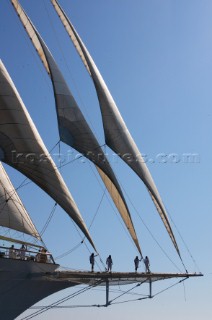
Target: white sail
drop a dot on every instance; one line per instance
(22, 148)
(117, 136)
(13, 214)
(73, 128)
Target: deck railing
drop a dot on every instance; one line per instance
(41, 256)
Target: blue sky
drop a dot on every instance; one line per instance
(156, 58)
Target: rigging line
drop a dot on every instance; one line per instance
(20, 186)
(151, 234)
(8, 196)
(34, 314)
(54, 146)
(129, 293)
(185, 244)
(83, 238)
(97, 210)
(6, 232)
(112, 207)
(69, 251)
(92, 221)
(183, 264)
(16, 235)
(118, 291)
(90, 305)
(70, 307)
(60, 161)
(48, 220)
(114, 210)
(126, 292)
(71, 296)
(131, 300)
(23, 184)
(81, 156)
(99, 259)
(173, 285)
(184, 290)
(69, 70)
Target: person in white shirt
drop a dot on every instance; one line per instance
(22, 252)
(12, 253)
(147, 264)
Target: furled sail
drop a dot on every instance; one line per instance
(22, 148)
(13, 214)
(73, 128)
(117, 136)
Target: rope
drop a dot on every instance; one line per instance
(92, 221)
(70, 307)
(97, 210)
(126, 292)
(68, 252)
(186, 246)
(23, 184)
(173, 285)
(48, 220)
(8, 195)
(184, 290)
(81, 156)
(51, 306)
(79, 244)
(112, 207)
(151, 234)
(131, 300)
(56, 304)
(111, 302)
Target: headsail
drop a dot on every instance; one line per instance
(117, 136)
(22, 148)
(13, 214)
(73, 128)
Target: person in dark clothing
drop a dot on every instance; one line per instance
(136, 262)
(92, 261)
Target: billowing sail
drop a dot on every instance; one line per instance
(13, 214)
(73, 128)
(22, 148)
(117, 136)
